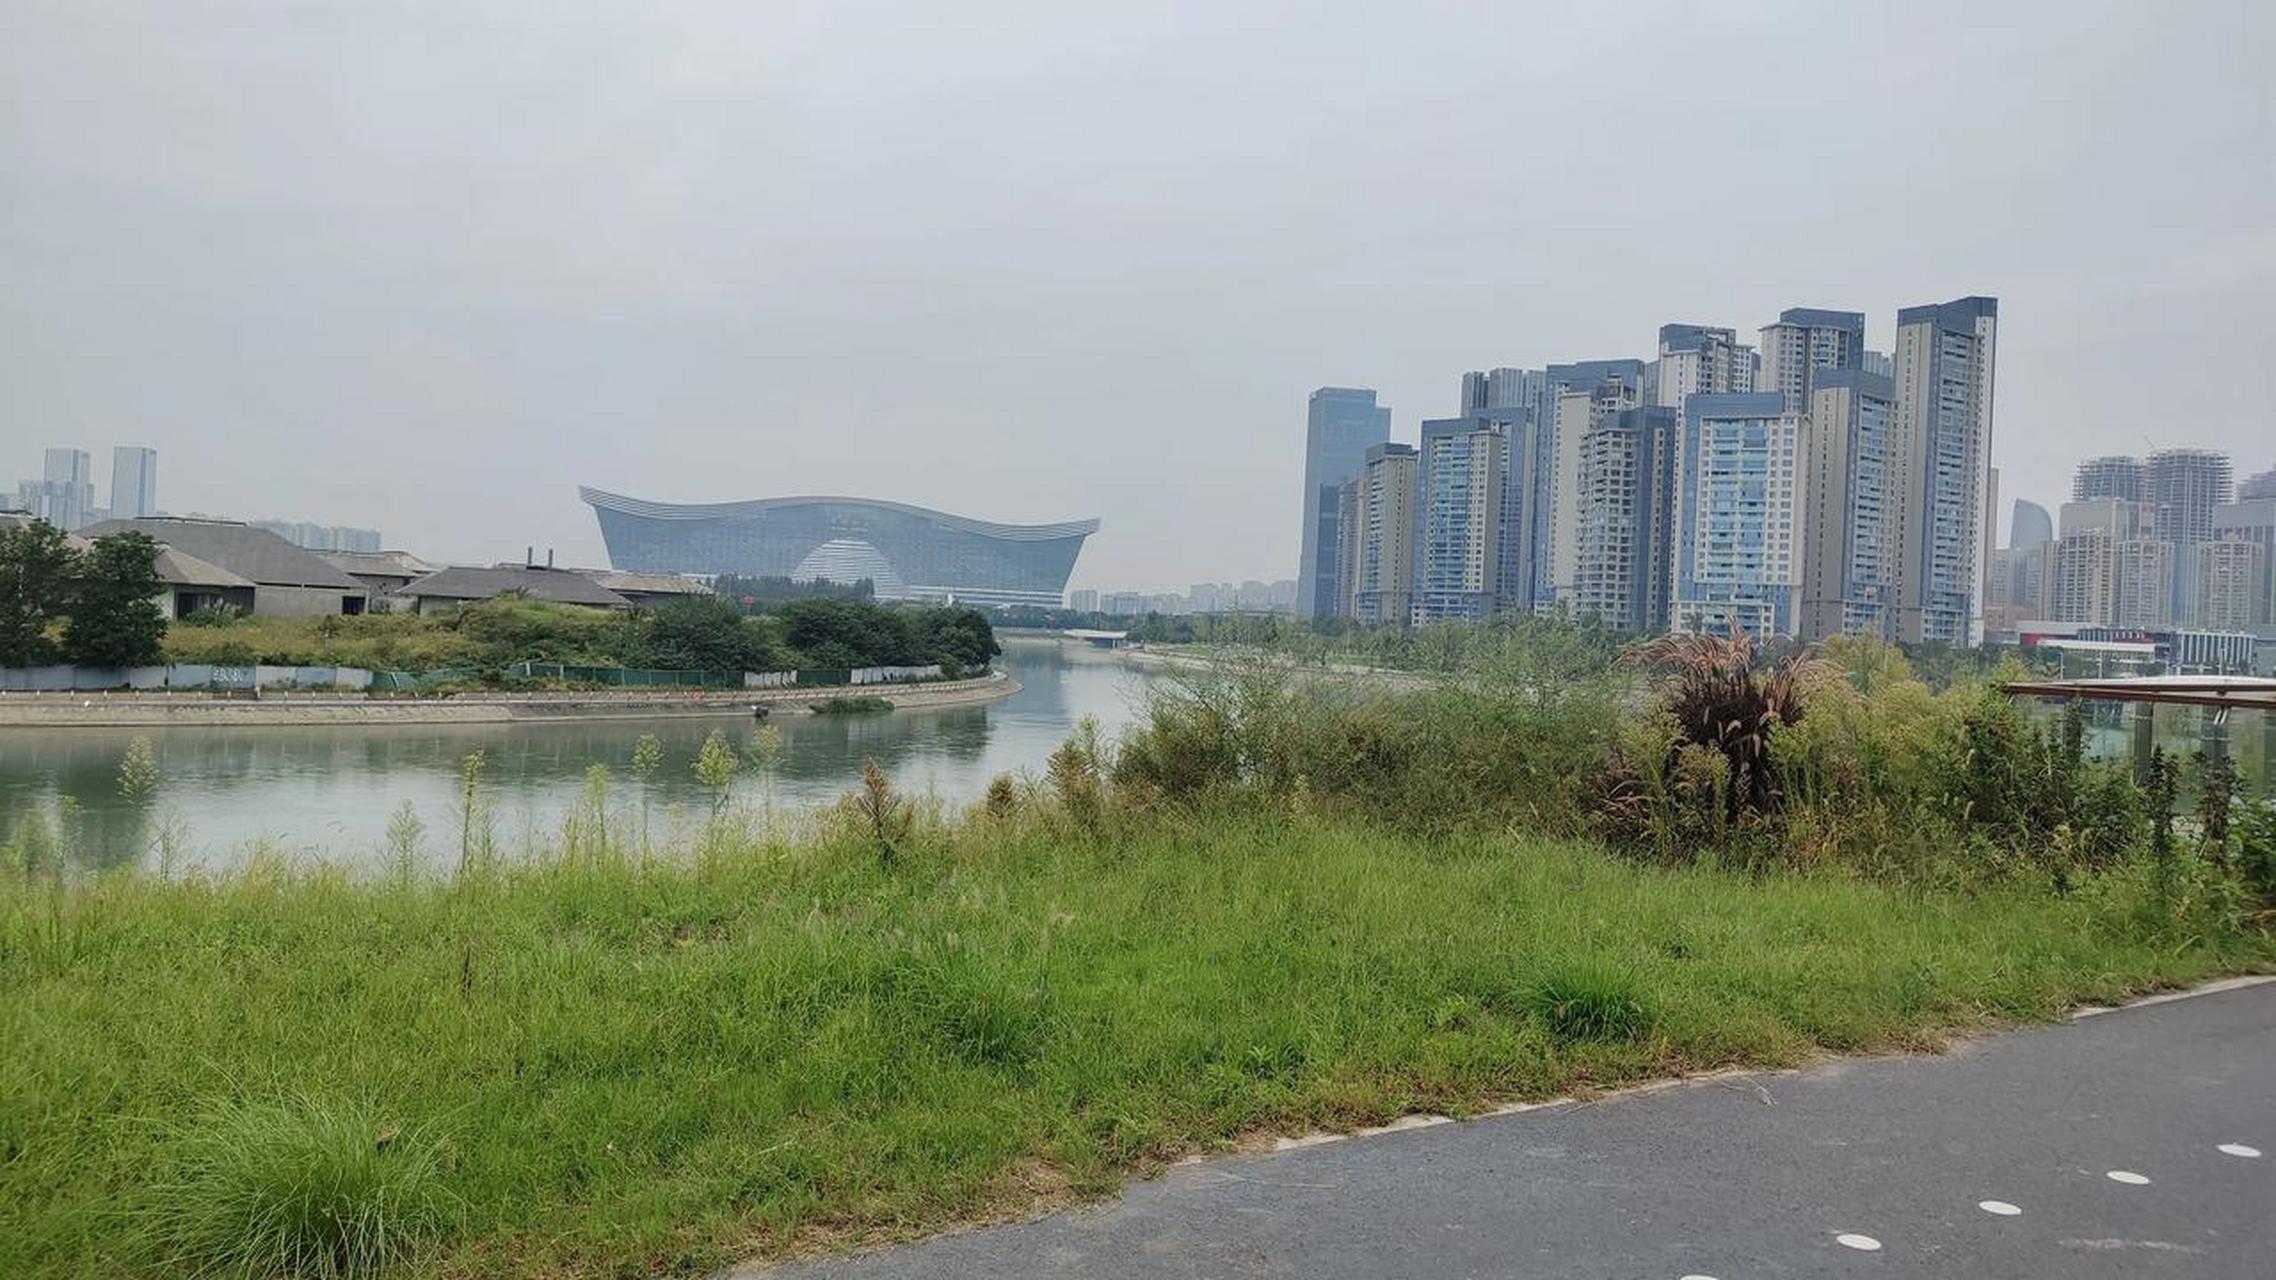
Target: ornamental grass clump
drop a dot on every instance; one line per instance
(307, 1187)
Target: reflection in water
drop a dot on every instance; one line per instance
(331, 789)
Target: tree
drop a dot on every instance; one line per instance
(956, 637)
(709, 634)
(115, 621)
(37, 566)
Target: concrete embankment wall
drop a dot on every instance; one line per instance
(139, 710)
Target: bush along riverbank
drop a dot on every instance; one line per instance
(486, 641)
(1275, 907)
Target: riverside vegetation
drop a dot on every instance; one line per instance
(699, 633)
(1275, 905)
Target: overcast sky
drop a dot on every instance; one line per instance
(428, 267)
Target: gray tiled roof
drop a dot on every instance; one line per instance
(383, 564)
(466, 582)
(250, 553)
(175, 566)
(653, 584)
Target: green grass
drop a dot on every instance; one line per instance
(593, 1067)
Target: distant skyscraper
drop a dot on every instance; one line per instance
(2183, 487)
(1384, 577)
(1340, 424)
(2111, 476)
(1848, 513)
(2251, 520)
(2262, 485)
(1462, 489)
(1501, 389)
(1881, 364)
(2100, 537)
(1083, 600)
(2030, 525)
(1627, 463)
(2186, 484)
(2144, 569)
(63, 495)
(2230, 591)
(134, 483)
(1578, 397)
(1694, 358)
(1806, 339)
(1739, 515)
(1941, 436)
(2085, 587)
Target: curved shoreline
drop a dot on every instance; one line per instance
(146, 711)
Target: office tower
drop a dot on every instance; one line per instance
(1694, 358)
(1577, 398)
(1625, 519)
(2110, 476)
(1846, 554)
(1462, 488)
(134, 483)
(2250, 520)
(1384, 576)
(2231, 590)
(1804, 340)
(63, 495)
(2030, 525)
(2262, 485)
(1340, 424)
(1741, 514)
(1880, 363)
(1083, 600)
(1941, 440)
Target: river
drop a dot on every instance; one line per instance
(330, 792)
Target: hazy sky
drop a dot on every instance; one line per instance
(429, 266)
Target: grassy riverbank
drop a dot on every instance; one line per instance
(608, 1065)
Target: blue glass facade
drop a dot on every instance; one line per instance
(910, 552)
(1340, 424)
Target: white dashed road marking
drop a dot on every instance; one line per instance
(1863, 1244)
(2240, 1151)
(2000, 1207)
(2130, 1179)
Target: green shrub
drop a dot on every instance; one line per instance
(848, 704)
(305, 1188)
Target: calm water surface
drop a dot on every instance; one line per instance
(331, 790)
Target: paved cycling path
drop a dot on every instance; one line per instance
(2002, 1159)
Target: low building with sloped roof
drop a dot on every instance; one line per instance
(287, 581)
(463, 584)
(383, 573)
(189, 583)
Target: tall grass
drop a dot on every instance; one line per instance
(302, 1186)
(604, 1064)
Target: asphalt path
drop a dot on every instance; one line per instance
(2117, 1145)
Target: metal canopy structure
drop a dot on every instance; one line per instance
(2226, 693)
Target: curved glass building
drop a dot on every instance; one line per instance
(910, 553)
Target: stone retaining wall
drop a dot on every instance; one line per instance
(142, 710)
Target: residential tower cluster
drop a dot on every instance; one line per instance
(1801, 485)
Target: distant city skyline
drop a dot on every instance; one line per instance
(1045, 259)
